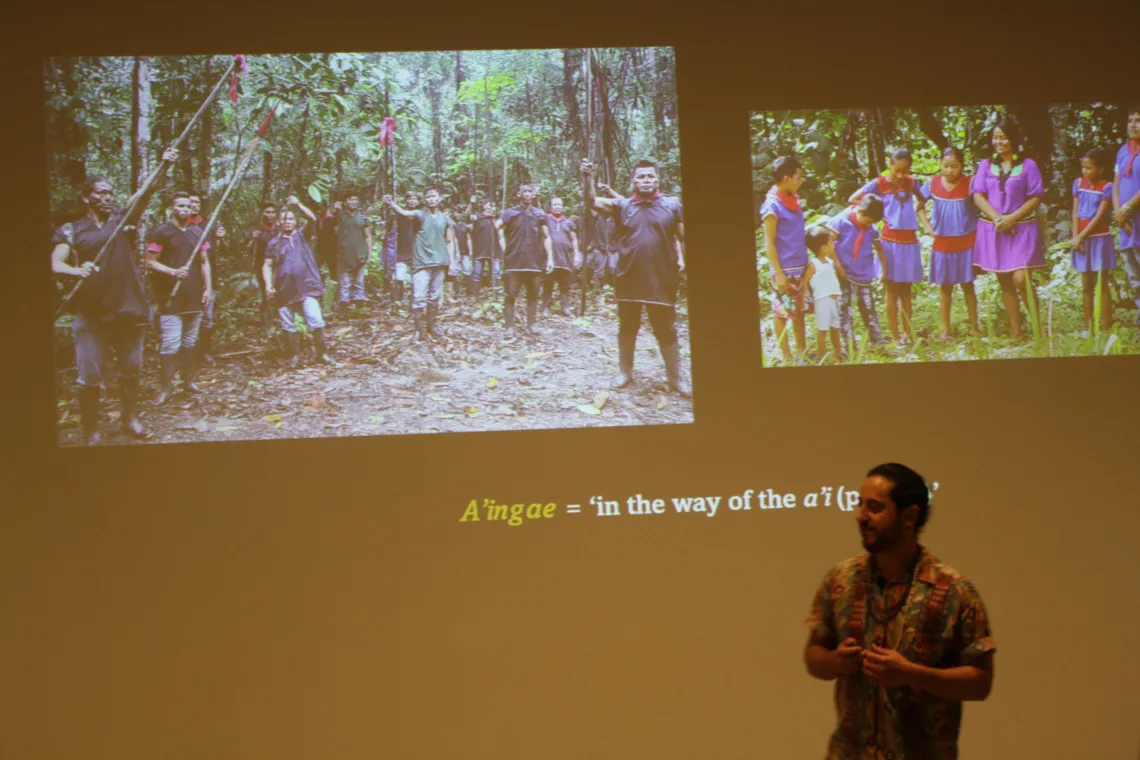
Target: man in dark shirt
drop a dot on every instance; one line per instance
(354, 240)
(528, 254)
(215, 240)
(258, 239)
(564, 243)
(463, 246)
(486, 251)
(110, 310)
(170, 253)
(295, 285)
(650, 234)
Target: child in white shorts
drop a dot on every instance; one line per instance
(823, 273)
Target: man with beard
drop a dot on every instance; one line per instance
(524, 238)
(258, 240)
(434, 254)
(650, 233)
(564, 243)
(906, 637)
(178, 255)
(110, 311)
(295, 285)
(354, 241)
(214, 240)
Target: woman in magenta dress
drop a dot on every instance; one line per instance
(953, 225)
(1007, 189)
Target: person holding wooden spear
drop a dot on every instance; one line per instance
(294, 283)
(111, 310)
(215, 240)
(170, 254)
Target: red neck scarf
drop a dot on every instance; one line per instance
(637, 196)
(559, 217)
(1097, 186)
(854, 217)
(194, 220)
(1133, 152)
(268, 227)
(789, 201)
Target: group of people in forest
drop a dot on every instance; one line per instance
(987, 222)
(638, 245)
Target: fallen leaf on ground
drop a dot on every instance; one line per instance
(601, 399)
(588, 409)
(271, 418)
(662, 403)
(492, 382)
(471, 411)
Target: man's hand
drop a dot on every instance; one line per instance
(386, 200)
(680, 264)
(338, 205)
(207, 294)
(782, 283)
(848, 657)
(886, 667)
(292, 201)
(85, 270)
(220, 231)
(170, 155)
(270, 292)
(587, 167)
(182, 273)
(549, 266)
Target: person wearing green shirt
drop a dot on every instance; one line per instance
(434, 254)
(354, 238)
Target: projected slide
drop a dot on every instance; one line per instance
(942, 234)
(326, 245)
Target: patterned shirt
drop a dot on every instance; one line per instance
(941, 623)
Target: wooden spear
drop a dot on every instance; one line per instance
(149, 183)
(239, 172)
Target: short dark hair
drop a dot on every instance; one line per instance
(178, 196)
(89, 184)
(528, 186)
(871, 205)
(785, 166)
(900, 154)
(269, 205)
(951, 152)
(817, 238)
(645, 163)
(908, 489)
(1134, 108)
(1099, 156)
(434, 189)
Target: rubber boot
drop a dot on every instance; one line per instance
(169, 367)
(89, 415)
(676, 378)
(432, 311)
(473, 286)
(563, 299)
(205, 344)
(293, 342)
(509, 314)
(319, 346)
(626, 347)
(189, 360)
(419, 318)
(531, 309)
(128, 414)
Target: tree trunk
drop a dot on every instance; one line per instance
(574, 129)
(206, 134)
(140, 136)
(299, 154)
(436, 98)
(1063, 120)
(662, 103)
(932, 128)
(487, 130)
(266, 177)
(1037, 134)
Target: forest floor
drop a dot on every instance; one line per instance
(474, 377)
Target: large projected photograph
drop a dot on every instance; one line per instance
(359, 244)
(942, 234)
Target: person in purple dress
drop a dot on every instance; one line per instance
(861, 260)
(953, 225)
(1126, 203)
(902, 205)
(1008, 189)
(1094, 255)
(786, 247)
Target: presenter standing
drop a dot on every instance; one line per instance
(906, 638)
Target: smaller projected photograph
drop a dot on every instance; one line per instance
(958, 233)
(323, 245)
